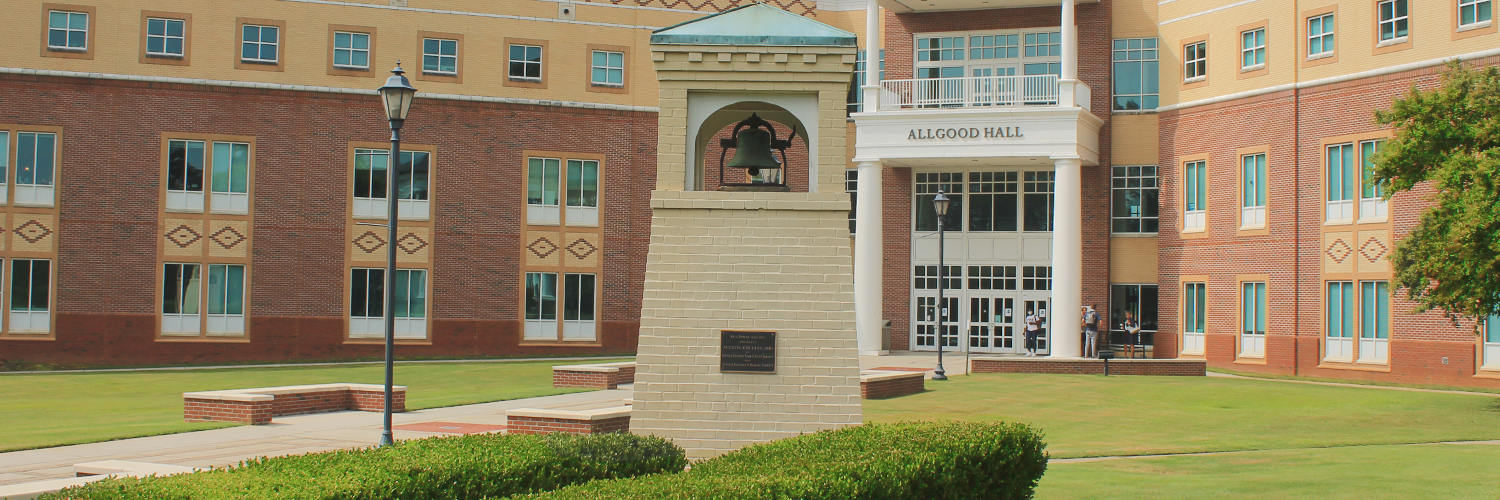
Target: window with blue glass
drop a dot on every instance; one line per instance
(1136, 83)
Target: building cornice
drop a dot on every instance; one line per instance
(481, 14)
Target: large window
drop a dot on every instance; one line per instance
(1253, 190)
(526, 62)
(1194, 307)
(164, 37)
(226, 299)
(1342, 182)
(367, 303)
(1195, 195)
(992, 201)
(1253, 49)
(1372, 193)
(1038, 200)
(945, 48)
(986, 54)
(230, 182)
(228, 175)
(927, 186)
(1138, 300)
(1473, 13)
(260, 43)
(1490, 343)
(1340, 323)
(181, 284)
(583, 193)
(992, 277)
(1136, 82)
(1044, 44)
(36, 155)
(1393, 20)
(1134, 200)
(1374, 321)
(546, 176)
(579, 304)
(439, 56)
(412, 179)
(1319, 36)
(1253, 319)
(30, 294)
(183, 300)
(543, 177)
(926, 277)
(67, 30)
(1195, 61)
(608, 69)
(185, 175)
(1036, 277)
(351, 50)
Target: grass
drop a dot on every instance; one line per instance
(54, 409)
(1087, 415)
(1362, 473)
(1380, 383)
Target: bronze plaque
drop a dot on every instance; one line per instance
(747, 352)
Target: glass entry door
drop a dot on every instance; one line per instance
(992, 91)
(926, 322)
(1040, 308)
(992, 325)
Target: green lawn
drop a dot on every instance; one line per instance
(1087, 415)
(1355, 473)
(52, 409)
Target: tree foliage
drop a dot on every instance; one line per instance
(1447, 140)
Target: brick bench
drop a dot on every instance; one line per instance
(597, 421)
(879, 384)
(257, 406)
(596, 376)
(1088, 366)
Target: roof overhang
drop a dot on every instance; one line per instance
(918, 6)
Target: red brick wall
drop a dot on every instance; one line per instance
(593, 380)
(1187, 368)
(537, 425)
(890, 388)
(1292, 123)
(213, 410)
(108, 181)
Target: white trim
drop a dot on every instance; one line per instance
(483, 14)
(310, 88)
(1209, 11)
(1475, 26)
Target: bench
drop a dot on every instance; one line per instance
(257, 406)
(880, 384)
(540, 421)
(595, 376)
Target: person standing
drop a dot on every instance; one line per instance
(1090, 332)
(1132, 334)
(1033, 329)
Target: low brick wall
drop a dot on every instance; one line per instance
(537, 421)
(1160, 367)
(889, 384)
(596, 376)
(258, 406)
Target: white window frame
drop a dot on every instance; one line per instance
(187, 279)
(225, 324)
(1253, 319)
(1372, 205)
(609, 68)
(378, 207)
(851, 187)
(1146, 179)
(540, 62)
(234, 199)
(408, 327)
(1323, 36)
(1195, 195)
(68, 31)
(187, 200)
(964, 51)
(4, 165)
(1195, 308)
(549, 172)
(1195, 62)
(1374, 322)
(1340, 182)
(166, 36)
(1489, 344)
(35, 193)
(1474, 5)
(1253, 49)
(352, 50)
(260, 44)
(581, 328)
(1253, 177)
(30, 320)
(1340, 303)
(581, 211)
(541, 328)
(1145, 52)
(440, 56)
(1397, 21)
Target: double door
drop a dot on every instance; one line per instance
(979, 322)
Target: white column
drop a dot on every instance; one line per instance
(1067, 81)
(871, 88)
(869, 260)
(1067, 259)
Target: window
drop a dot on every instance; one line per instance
(1253, 319)
(1374, 321)
(226, 299)
(36, 154)
(1134, 200)
(926, 278)
(1341, 182)
(578, 306)
(351, 50)
(367, 304)
(1195, 62)
(30, 291)
(526, 62)
(994, 47)
(1470, 12)
(541, 306)
(990, 60)
(993, 201)
(185, 176)
(992, 277)
(180, 298)
(440, 56)
(1491, 343)
(164, 37)
(259, 43)
(67, 31)
(1371, 197)
(1036, 277)
(1037, 203)
(1195, 195)
(851, 186)
(1044, 44)
(1253, 49)
(1136, 85)
(583, 193)
(370, 179)
(857, 96)
(940, 49)
(608, 69)
(542, 179)
(1140, 300)
(545, 176)
(1194, 301)
(4, 163)
(230, 182)
(1340, 325)
(928, 184)
(1393, 20)
(1319, 36)
(1253, 190)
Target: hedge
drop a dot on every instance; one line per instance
(908, 461)
(475, 466)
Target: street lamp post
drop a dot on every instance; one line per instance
(396, 94)
(940, 205)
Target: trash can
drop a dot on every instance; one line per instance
(885, 336)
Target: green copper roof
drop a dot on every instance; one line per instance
(754, 24)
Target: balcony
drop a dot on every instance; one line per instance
(976, 91)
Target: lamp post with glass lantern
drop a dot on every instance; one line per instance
(940, 205)
(396, 94)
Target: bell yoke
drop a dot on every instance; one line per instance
(753, 141)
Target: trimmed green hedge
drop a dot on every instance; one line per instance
(476, 466)
(907, 461)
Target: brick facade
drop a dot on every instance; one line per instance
(258, 406)
(892, 385)
(563, 376)
(515, 424)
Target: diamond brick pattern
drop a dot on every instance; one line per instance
(411, 243)
(581, 248)
(542, 247)
(369, 242)
(227, 237)
(1338, 250)
(182, 236)
(1372, 250)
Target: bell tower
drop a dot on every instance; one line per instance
(747, 324)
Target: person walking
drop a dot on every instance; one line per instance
(1132, 334)
(1090, 332)
(1033, 329)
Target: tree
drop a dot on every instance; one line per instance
(1447, 140)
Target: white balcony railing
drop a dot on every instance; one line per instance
(970, 91)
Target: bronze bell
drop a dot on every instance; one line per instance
(754, 142)
(753, 151)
